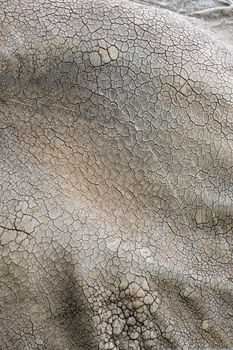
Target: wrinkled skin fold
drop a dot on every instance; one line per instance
(116, 155)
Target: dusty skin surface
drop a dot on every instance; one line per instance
(116, 156)
(213, 16)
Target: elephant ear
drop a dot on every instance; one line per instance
(214, 16)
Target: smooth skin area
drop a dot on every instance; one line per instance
(116, 156)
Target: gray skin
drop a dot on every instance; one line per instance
(116, 156)
(214, 16)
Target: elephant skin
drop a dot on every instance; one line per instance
(116, 158)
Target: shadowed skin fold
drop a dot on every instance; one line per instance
(116, 156)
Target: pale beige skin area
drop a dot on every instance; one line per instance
(116, 156)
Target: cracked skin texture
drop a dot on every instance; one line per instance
(116, 186)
